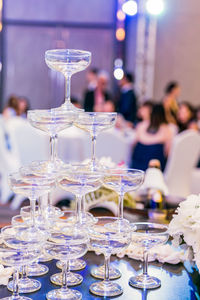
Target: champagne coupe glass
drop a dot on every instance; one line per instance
(51, 121)
(68, 62)
(70, 242)
(121, 181)
(68, 218)
(32, 186)
(17, 252)
(147, 235)
(79, 181)
(25, 284)
(94, 123)
(108, 240)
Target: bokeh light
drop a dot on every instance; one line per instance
(130, 7)
(118, 63)
(120, 34)
(118, 73)
(121, 15)
(155, 7)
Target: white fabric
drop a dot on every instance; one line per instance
(32, 143)
(182, 159)
(9, 161)
(195, 181)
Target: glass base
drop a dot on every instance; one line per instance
(26, 285)
(106, 289)
(45, 258)
(16, 298)
(37, 270)
(63, 294)
(74, 264)
(53, 212)
(67, 105)
(144, 282)
(72, 279)
(99, 273)
(49, 167)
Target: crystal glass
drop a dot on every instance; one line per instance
(51, 121)
(122, 181)
(108, 240)
(147, 235)
(80, 181)
(67, 243)
(25, 284)
(68, 62)
(69, 217)
(25, 182)
(18, 252)
(94, 123)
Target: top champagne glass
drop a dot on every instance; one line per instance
(68, 62)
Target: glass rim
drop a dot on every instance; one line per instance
(154, 225)
(98, 113)
(72, 52)
(51, 111)
(127, 170)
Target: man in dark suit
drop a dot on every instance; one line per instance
(127, 105)
(94, 100)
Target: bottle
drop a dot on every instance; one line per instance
(155, 186)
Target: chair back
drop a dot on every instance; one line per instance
(32, 143)
(183, 157)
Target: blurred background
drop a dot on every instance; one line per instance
(157, 48)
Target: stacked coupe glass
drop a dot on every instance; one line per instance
(42, 232)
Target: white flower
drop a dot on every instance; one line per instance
(185, 225)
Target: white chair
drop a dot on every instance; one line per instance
(32, 143)
(182, 159)
(112, 143)
(9, 162)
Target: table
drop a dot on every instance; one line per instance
(177, 280)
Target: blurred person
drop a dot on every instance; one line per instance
(198, 117)
(186, 117)
(23, 107)
(127, 105)
(75, 102)
(12, 107)
(152, 140)
(91, 77)
(95, 99)
(172, 92)
(109, 106)
(144, 111)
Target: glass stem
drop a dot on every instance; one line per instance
(49, 200)
(32, 211)
(53, 144)
(121, 206)
(83, 205)
(65, 271)
(68, 89)
(15, 294)
(145, 262)
(94, 139)
(24, 273)
(78, 208)
(107, 264)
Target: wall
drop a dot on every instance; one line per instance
(178, 49)
(31, 27)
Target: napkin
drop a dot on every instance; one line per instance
(164, 254)
(5, 274)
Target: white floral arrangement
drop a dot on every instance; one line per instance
(185, 227)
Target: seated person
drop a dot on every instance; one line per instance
(152, 140)
(12, 107)
(144, 111)
(186, 117)
(95, 99)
